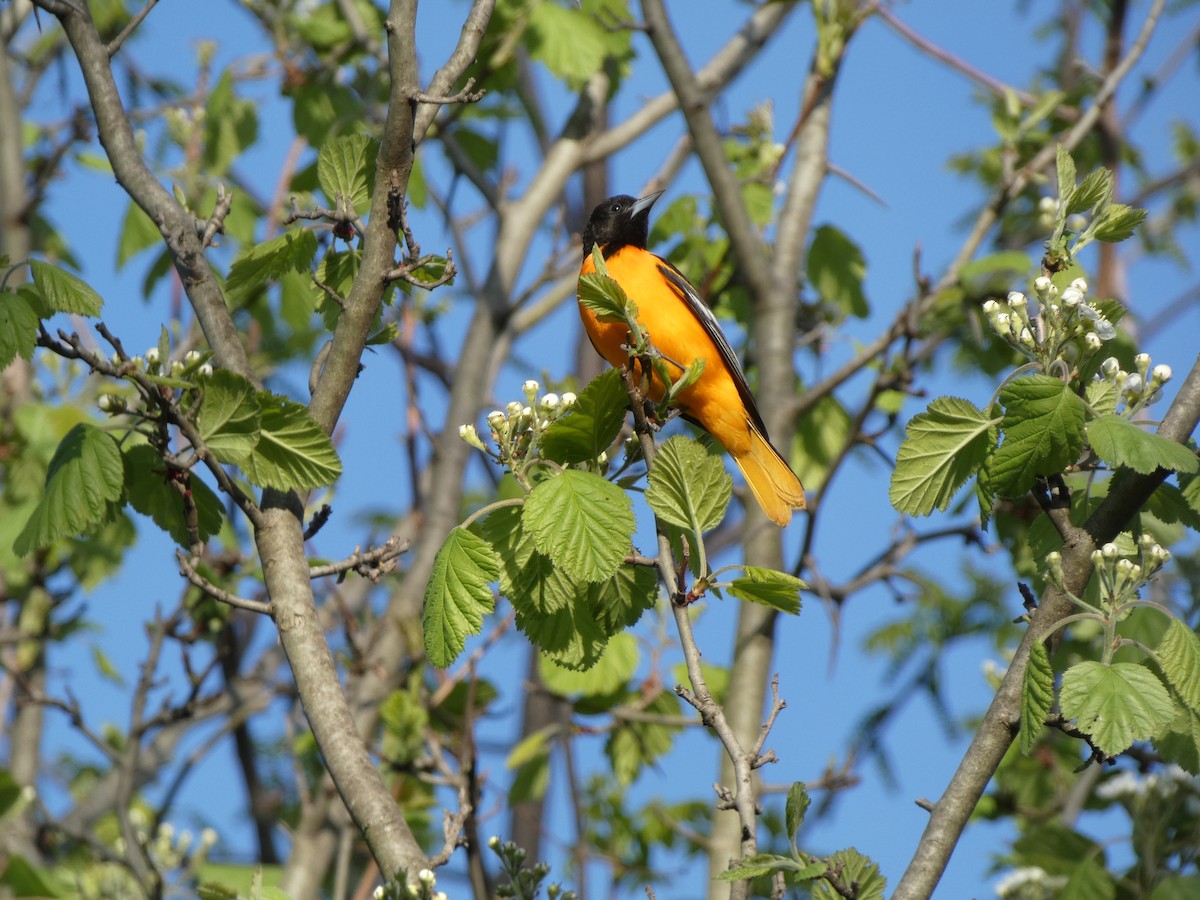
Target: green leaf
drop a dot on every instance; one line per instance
(602, 295)
(458, 595)
(84, 478)
(1176, 887)
(151, 493)
(1089, 880)
(942, 448)
(836, 269)
(571, 43)
(138, 233)
(1118, 223)
(1119, 442)
(592, 423)
(105, 667)
(567, 633)
(25, 879)
(1101, 396)
(634, 745)
(821, 434)
(1037, 694)
(688, 486)
(502, 529)
(1180, 743)
(530, 760)
(1095, 189)
(230, 126)
(346, 168)
(756, 866)
(795, 809)
(618, 602)
(293, 452)
(1178, 654)
(256, 266)
(64, 292)
(1066, 177)
(229, 416)
(18, 328)
(1043, 433)
(855, 867)
(778, 590)
(582, 522)
(611, 672)
(1116, 704)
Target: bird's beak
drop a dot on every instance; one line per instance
(643, 205)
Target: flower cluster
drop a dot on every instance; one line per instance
(1061, 321)
(514, 429)
(1030, 883)
(524, 881)
(194, 363)
(1135, 389)
(1168, 782)
(1121, 577)
(403, 889)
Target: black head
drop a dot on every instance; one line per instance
(620, 221)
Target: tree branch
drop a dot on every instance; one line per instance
(1127, 495)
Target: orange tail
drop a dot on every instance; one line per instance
(772, 481)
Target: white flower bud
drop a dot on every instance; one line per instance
(550, 401)
(192, 357)
(1092, 341)
(105, 402)
(1026, 338)
(152, 356)
(1048, 205)
(1161, 374)
(378, 893)
(426, 877)
(1110, 551)
(530, 386)
(1042, 285)
(526, 411)
(1016, 300)
(471, 436)
(1110, 367)
(205, 371)
(603, 457)
(1097, 558)
(514, 409)
(1080, 285)
(568, 399)
(138, 361)
(1072, 298)
(495, 418)
(208, 837)
(494, 842)
(177, 368)
(991, 307)
(1133, 384)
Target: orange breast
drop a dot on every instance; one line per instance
(713, 401)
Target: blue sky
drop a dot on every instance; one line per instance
(898, 117)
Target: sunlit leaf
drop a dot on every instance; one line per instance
(458, 595)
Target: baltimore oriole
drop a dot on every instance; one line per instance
(682, 328)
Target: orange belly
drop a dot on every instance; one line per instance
(713, 401)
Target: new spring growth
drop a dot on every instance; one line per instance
(1121, 578)
(515, 429)
(1065, 327)
(1135, 389)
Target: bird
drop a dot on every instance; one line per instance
(682, 329)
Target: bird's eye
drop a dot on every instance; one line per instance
(616, 207)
